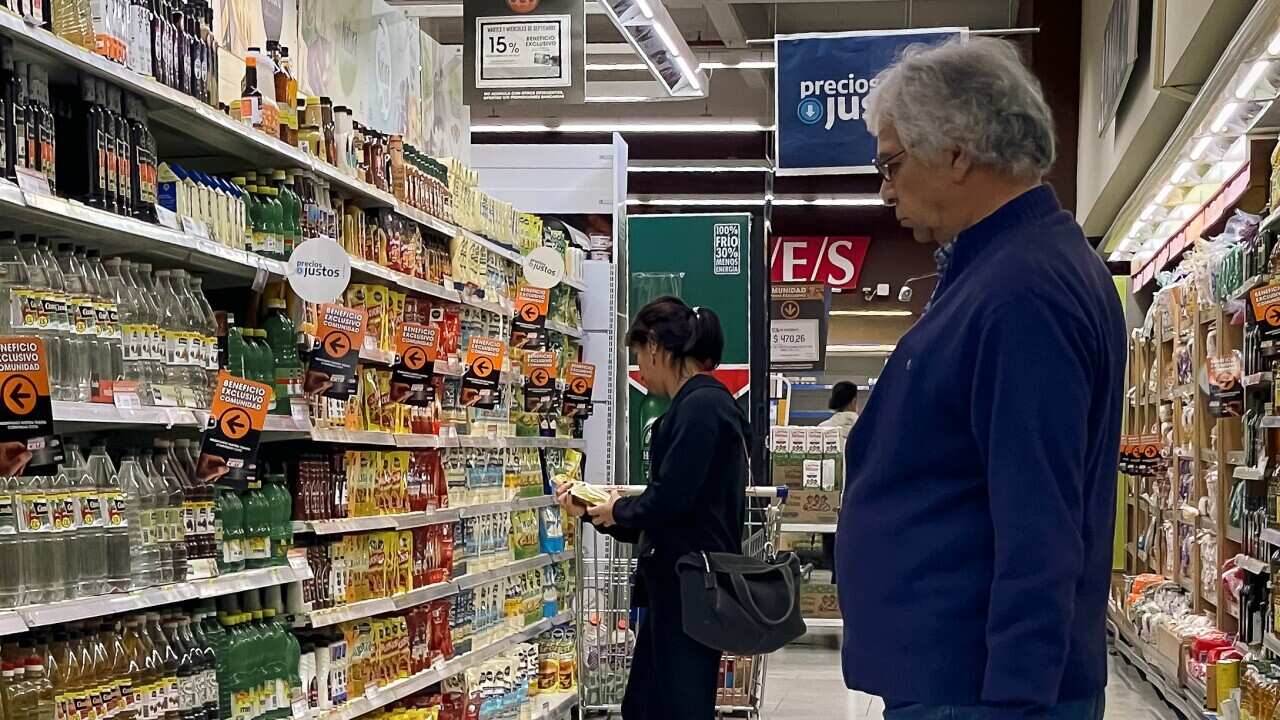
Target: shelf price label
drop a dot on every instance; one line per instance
(229, 446)
(579, 381)
(27, 441)
(480, 386)
(539, 381)
(331, 371)
(413, 375)
(528, 327)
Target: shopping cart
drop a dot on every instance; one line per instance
(605, 618)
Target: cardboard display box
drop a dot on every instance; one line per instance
(818, 600)
(812, 506)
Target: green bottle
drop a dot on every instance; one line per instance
(257, 527)
(236, 350)
(282, 338)
(265, 363)
(651, 408)
(244, 223)
(229, 531)
(273, 221)
(291, 208)
(281, 505)
(257, 208)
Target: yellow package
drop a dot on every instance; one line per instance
(376, 303)
(395, 314)
(404, 667)
(385, 419)
(404, 562)
(371, 401)
(397, 480)
(355, 295)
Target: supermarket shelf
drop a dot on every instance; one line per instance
(1271, 537)
(550, 705)
(1254, 565)
(814, 623)
(547, 442)
(357, 437)
(1271, 421)
(501, 251)
(423, 441)
(103, 605)
(1271, 643)
(360, 266)
(1236, 457)
(379, 606)
(113, 233)
(11, 623)
(287, 423)
(809, 527)
(1247, 473)
(575, 283)
(1258, 379)
(563, 329)
(102, 413)
(1169, 690)
(405, 521)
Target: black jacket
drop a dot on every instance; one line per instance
(696, 493)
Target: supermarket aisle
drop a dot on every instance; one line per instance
(804, 683)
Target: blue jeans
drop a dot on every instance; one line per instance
(1088, 709)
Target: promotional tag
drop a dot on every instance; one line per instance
(230, 443)
(332, 369)
(539, 381)
(319, 270)
(412, 376)
(1226, 392)
(484, 367)
(543, 267)
(27, 442)
(528, 327)
(581, 378)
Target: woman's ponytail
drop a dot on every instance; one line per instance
(685, 332)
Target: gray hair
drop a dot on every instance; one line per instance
(974, 95)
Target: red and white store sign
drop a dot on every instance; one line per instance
(832, 259)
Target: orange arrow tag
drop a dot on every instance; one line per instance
(236, 419)
(540, 381)
(412, 377)
(27, 442)
(528, 328)
(332, 370)
(480, 382)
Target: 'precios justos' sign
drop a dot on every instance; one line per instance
(822, 84)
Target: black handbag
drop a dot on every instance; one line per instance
(739, 604)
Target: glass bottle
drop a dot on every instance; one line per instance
(84, 340)
(119, 517)
(11, 556)
(89, 550)
(141, 499)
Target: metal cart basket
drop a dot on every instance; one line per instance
(605, 618)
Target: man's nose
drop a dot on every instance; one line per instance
(887, 194)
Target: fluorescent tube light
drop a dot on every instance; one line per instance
(1251, 78)
(604, 127)
(1201, 145)
(1148, 212)
(645, 9)
(666, 39)
(689, 75)
(617, 66)
(1224, 117)
(869, 349)
(1182, 171)
(1273, 48)
(870, 313)
(1164, 193)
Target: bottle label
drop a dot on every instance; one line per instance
(96, 701)
(259, 547)
(113, 505)
(20, 133)
(176, 347)
(251, 110)
(8, 515)
(158, 343)
(86, 315)
(127, 702)
(55, 308)
(122, 170)
(177, 533)
(171, 694)
(90, 509)
(132, 341)
(233, 550)
(113, 321)
(242, 704)
(28, 303)
(35, 512)
(101, 144)
(204, 518)
(102, 321)
(63, 707)
(211, 353)
(189, 690)
(147, 520)
(84, 706)
(190, 514)
(147, 175)
(66, 512)
(195, 343)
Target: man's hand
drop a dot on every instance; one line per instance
(567, 502)
(603, 514)
(13, 457)
(211, 467)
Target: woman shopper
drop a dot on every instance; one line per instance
(844, 401)
(694, 501)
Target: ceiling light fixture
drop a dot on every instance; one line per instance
(667, 42)
(1162, 195)
(1251, 78)
(1200, 147)
(709, 65)
(617, 66)
(602, 127)
(870, 313)
(868, 349)
(1182, 171)
(696, 168)
(1148, 212)
(645, 9)
(689, 76)
(1224, 117)
(1273, 48)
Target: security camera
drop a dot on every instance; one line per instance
(904, 295)
(868, 294)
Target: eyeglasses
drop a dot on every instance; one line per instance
(886, 166)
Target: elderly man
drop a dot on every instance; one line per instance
(974, 550)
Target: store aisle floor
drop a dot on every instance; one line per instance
(804, 682)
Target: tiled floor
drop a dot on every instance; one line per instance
(804, 682)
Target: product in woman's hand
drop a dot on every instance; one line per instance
(590, 495)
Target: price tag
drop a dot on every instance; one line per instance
(126, 399)
(168, 218)
(33, 182)
(191, 226)
(299, 411)
(202, 568)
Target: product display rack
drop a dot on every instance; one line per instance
(233, 269)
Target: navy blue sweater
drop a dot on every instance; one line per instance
(975, 539)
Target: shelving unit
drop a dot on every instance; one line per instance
(211, 140)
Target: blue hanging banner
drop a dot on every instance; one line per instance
(822, 81)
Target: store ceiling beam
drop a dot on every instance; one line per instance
(446, 9)
(729, 28)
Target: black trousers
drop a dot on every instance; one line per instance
(673, 676)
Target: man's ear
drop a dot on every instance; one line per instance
(961, 165)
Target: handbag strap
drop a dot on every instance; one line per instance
(744, 593)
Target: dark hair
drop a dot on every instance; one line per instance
(842, 393)
(683, 331)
